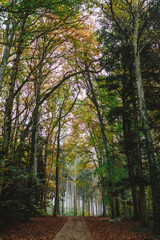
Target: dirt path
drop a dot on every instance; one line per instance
(74, 229)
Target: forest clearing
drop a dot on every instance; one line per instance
(80, 119)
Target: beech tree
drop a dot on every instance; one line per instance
(32, 26)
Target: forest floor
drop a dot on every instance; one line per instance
(74, 228)
(39, 228)
(103, 229)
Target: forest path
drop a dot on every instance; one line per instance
(74, 229)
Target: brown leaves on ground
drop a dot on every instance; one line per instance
(44, 228)
(102, 229)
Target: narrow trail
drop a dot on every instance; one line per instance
(74, 229)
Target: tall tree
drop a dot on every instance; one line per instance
(128, 17)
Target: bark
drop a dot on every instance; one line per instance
(92, 206)
(62, 194)
(74, 191)
(83, 203)
(6, 50)
(34, 142)
(96, 203)
(128, 141)
(33, 165)
(56, 206)
(126, 132)
(67, 205)
(16, 127)
(45, 184)
(153, 163)
(142, 200)
(117, 206)
(89, 211)
(103, 185)
(78, 204)
(75, 204)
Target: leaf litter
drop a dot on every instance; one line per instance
(39, 228)
(103, 229)
(46, 228)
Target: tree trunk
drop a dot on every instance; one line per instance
(78, 204)
(153, 163)
(142, 200)
(130, 168)
(92, 207)
(88, 203)
(34, 143)
(117, 206)
(75, 205)
(104, 214)
(6, 50)
(128, 142)
(83, 203)
(123, 202)
(67, 205)
(33, 165)
(56, 206)
(45, 183)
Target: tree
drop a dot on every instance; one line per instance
(31, 25)
(137, 31)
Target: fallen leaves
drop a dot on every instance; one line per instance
(44, 228)
(102, 229)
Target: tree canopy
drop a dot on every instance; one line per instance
(79, 109)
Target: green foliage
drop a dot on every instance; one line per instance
(84, 183)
